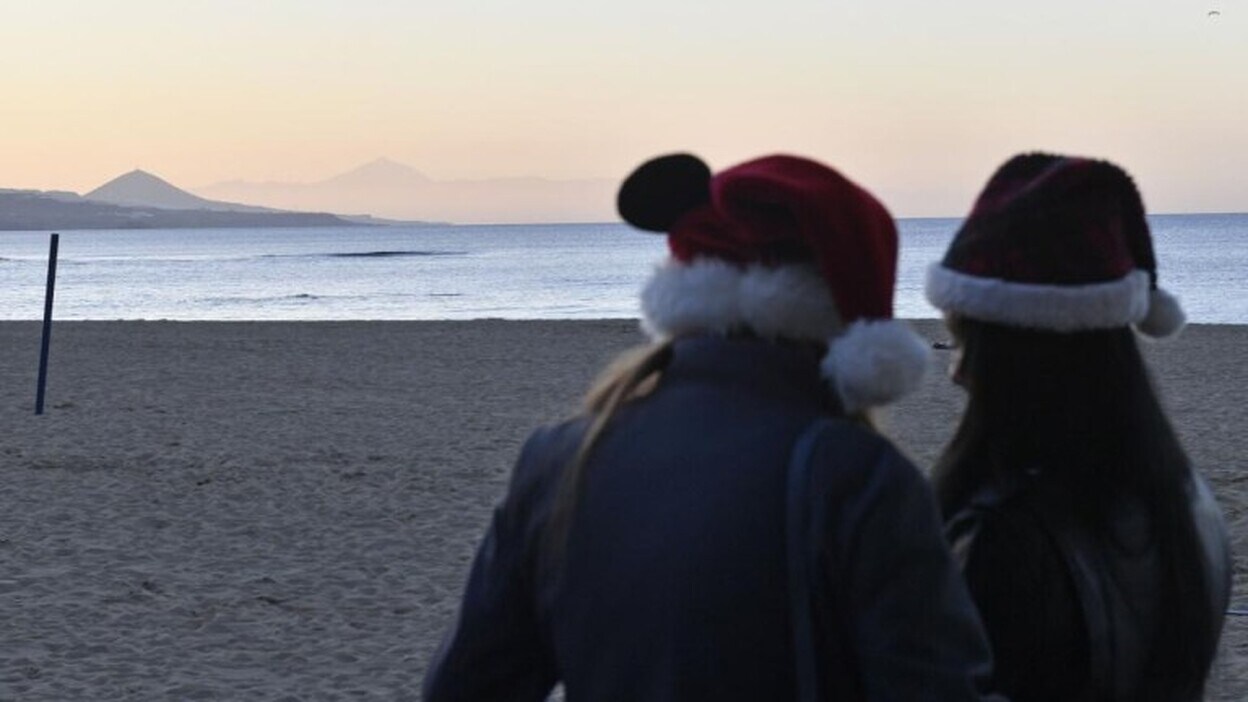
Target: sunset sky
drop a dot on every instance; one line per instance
(918, 100)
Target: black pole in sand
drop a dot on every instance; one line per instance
(47, 323)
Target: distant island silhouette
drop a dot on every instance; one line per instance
(390, 193)
(387, 188)
(140, 200)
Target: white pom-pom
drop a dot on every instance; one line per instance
(875, 362)
(1165, 315)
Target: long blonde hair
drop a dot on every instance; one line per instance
(632, 374)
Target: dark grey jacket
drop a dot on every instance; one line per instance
(674, 585)
(1072, 616)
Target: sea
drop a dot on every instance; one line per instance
(559, 271)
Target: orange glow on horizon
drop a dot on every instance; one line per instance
(918, 103)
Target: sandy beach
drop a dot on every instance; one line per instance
(285, 511)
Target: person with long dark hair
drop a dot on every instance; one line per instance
(1097, 556)
(723, 522)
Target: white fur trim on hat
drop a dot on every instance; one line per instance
(1165, 315)
(712, 295)
(875, 362)
(1061, 308)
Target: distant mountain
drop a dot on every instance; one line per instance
(393, 190)
(142, 189)
(382, 173)
(36, 210)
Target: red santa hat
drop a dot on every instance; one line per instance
(785, 248)
(1059, 244)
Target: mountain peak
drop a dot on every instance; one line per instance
(138, 187)
(135, 178)
(382, 161)
(381, 172)
(384, 164)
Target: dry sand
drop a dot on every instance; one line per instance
(285, 511)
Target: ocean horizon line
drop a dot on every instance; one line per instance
(491, 225)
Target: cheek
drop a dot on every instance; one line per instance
(955, 367)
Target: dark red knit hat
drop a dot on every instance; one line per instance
(1056, 243)
(785, 247)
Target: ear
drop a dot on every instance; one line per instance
(663, 189)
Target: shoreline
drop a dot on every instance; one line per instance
(232, 510)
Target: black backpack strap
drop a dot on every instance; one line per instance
(962, 528)
(1215, 547)
(1077, 554)
(1087, 571)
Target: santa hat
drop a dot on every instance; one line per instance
(1059, 244)
(783, 247)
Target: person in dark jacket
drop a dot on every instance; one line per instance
(1095, 553)
(659, 549)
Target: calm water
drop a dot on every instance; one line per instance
(465, 272)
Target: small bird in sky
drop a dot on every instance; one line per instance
(1215, 13)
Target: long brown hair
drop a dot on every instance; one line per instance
(1082, 406)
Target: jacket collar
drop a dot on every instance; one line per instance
(789, 370)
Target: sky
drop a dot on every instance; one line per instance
(917, 100)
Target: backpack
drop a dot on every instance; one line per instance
(1115, 576)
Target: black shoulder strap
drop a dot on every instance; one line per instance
(961, 528)
(1215, 545)
(1076, 553)
(1087, 571)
